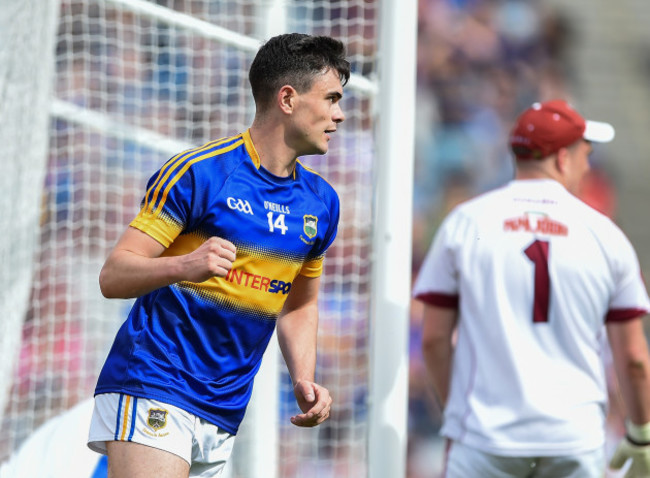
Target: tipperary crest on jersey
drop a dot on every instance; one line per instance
(310, 226)
(157, 418)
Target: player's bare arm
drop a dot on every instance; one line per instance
(438, 325)
(297, 334)
(632, 364)
(135, 267)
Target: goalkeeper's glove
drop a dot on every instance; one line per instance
(636, 447)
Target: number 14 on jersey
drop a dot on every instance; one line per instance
(276, 222)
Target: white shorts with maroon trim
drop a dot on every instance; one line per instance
(464, 461)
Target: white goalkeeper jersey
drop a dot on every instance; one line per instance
(535, 274)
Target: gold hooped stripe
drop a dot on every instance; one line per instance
(187, 166)
(171, 165)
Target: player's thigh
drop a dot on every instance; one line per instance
(464, 461)
(141, 461)
(589, 464)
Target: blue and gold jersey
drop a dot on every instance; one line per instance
(199, 345)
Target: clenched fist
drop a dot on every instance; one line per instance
(213, 258)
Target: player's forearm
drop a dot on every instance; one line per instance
(127, 275)
(632, 365)
(634, 383)
(438, 326)
(437, 358)
(297, 336)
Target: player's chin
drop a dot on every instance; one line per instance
(325, 144)
(320, 149)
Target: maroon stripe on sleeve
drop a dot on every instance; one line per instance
(621, 315)
(449, 301)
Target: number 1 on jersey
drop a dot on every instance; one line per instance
(537, 252)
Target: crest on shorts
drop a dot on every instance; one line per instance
(310, 225)
(157, 418)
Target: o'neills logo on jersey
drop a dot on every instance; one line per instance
(280, 208)
(535, 222)
(254, 281)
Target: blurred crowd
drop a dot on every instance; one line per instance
(480, 63)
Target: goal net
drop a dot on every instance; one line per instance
(133, 83)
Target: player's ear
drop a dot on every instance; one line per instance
(286, 99)
(562, 160)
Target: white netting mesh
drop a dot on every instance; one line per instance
(130, 90)
(26, 52)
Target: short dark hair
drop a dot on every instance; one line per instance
(295, 59)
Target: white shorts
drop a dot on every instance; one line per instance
(464, 461)
(120, 417)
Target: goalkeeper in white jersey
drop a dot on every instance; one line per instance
(520, 286)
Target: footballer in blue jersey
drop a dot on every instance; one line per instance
(228, 245)
(200, 344)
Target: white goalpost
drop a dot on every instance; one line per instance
(121, 86)
(391, 274)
